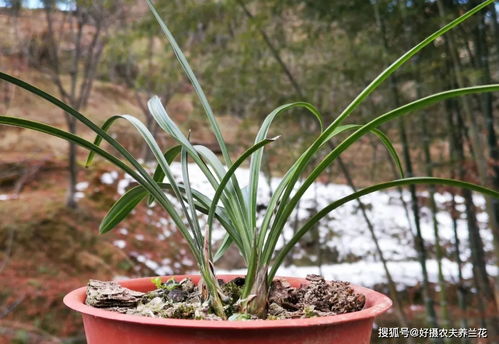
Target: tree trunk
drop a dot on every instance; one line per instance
(482, 53)
(420, 245)
(485, 293)
(434, 210)
(399, 304)
(81, 79)
(495, 27)
(450, 106)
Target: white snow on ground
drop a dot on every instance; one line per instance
(109, 177)
(81, 186)
(345, 228)
(6, 197)
(119, 243)
(344, 231)
(406, 273)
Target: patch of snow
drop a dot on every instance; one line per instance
(119, 243)
(122, 185)
(151, 264)
(5, 197)
(141, 258)
(345, 232)
(187, 261)
(81, 186)
(109, 177)
(405, 273)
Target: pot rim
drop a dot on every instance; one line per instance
(377, 303)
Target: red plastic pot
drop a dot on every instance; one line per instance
(105, 327)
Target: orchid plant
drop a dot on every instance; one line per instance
(235, 207)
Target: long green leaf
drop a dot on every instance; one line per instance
(247, 239)
(122, 207)
(312, 222)
(194, 81)
(233, 200)
(161, 116)
(287, 208)
(232, 196)
(74, 113)
(287, 179)
(170, 156)
(165, 203)
(381, 136)
(98, 139)
(256, 159)
(47, 129)
(196, 229)
(391, 150)
(203, 204)
(159, 175)
(153, 145)
(226, 244)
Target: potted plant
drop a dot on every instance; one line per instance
(234, 207)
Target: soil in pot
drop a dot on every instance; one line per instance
(182, 300)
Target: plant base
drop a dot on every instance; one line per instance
(102, 326)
